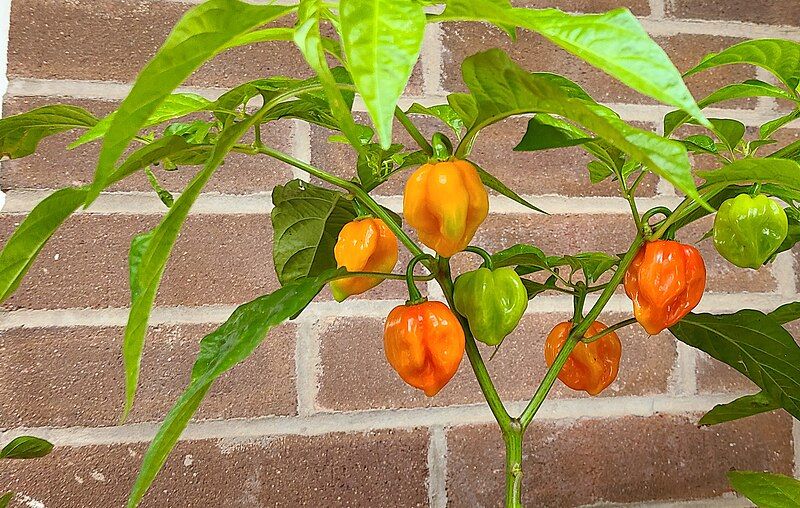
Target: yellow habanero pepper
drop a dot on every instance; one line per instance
(364, 245)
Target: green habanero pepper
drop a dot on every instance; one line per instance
(493, 302)
(748, 230)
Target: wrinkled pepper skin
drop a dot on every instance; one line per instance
(666, 281)
(748, 230)
(493, 302)
(590, 367)
(365, 245)
(445, 202)
(424, 343)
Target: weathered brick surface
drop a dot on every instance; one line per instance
(386, 468)
(356, 375)
(617, 460)
(97, 51)
(534, 53)
(223, 259)
(759, 11)
(638, 7)
(52, 166)
(74, 376)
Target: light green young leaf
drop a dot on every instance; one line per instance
(174, 106)
(26, 447)
(139, 245)
(308, 39)
(473, 10)
(306, 222)
(778, 171)
(766, 490)
(750, 88)
(20, 134)
(5, 499)
(779, 56)
(154, 259)
(199, 35)
(543, 133)
(752, 343)
(28, 239)
(770, 127)
(382, 40)
(220, 350)
(613, 42)
(742, 407)
(729, 131)
(443, 112)
(500, 88)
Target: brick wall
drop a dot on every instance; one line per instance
(316, 417)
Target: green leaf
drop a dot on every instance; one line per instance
(139, 245)
(613, 42)
(174, 106)
(592, 264)
(770, 127)
(496, 185)
(778, 171)
(730, 132)
(752, 343)
(26, 447)
(199, 35)
(779, 56)
(375, 164)
(750, 88)
(308, 39)
(164, 195)
(598, 171)
(533, 288)
(382, 40)
(444, 112)
(766, 490)
(543, 134)
(30, 237)
(154, 259)
(477, 10)
(742, 407)
(220, 350)
(500, 88)
(464, 105)
(793, 234)
(5, 499)
(700, 143)
(306, 221)
(20, 134)
(790, 151)
(528, 256)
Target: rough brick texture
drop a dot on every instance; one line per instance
(317, 417)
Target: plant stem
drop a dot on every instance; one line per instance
(391, 276)
(513, 441)
(577, 334)
(413, 131)
(473, 354)
(614, 327)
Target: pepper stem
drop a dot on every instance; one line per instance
(414, 296)
(487, 258)
(647, 231)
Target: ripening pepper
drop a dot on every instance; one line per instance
(748, 230)
(592, 366)
(493, 302)
(445, 202)
(665, 281)
(364, 245)
(424, 343)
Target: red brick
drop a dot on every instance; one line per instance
(84, 42)
(222, 259)
(74, 376)
(386, 468)
(758, 11)
(53, 166)
(623, 460)
(638, 7)
(533, 53)
(355, 374)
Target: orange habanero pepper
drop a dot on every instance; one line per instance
(445, 202)
(592, 366)
(666, 281)
(364, 245)
(424, 343)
